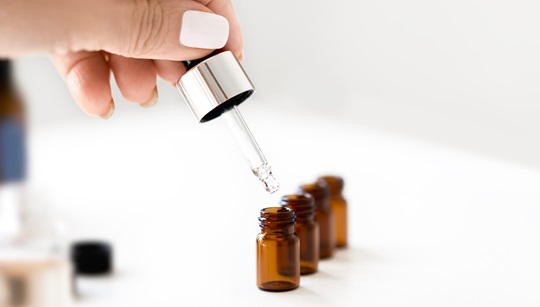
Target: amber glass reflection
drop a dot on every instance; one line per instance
(278, 250)
(323, 215)
(306, 228)
(339, 206)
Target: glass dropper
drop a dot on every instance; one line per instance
(250, 149)
(213, 87)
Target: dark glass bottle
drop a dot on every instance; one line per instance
(339, 206)
(278, 250)
(306, 228)
(12, 156)
(323, 215)
(12, 134)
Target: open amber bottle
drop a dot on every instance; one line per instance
(278, 250)
(339, 206)
(306, 228)
(323, 215)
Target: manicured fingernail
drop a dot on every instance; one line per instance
(204, 30)
(109, 112)
(152, 102)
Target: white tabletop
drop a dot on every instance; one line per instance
(429, 225)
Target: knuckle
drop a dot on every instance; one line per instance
(148, 25)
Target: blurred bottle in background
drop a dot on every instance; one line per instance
(338, 203)
(12, 164)
(34, 266)
(12, 153)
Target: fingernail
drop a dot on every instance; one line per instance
(204, 30)
(152, 102)
(109, 112)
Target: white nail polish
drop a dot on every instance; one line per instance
(204, 30)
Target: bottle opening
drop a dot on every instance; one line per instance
(277, 217)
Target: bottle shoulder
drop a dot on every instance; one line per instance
(338, 199)
(338, 205)
(276, 237)
(323, 211)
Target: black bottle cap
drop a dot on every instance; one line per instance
(92, 257)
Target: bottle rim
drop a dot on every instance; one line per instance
(277, 217)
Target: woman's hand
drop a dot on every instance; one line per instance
(136, 40)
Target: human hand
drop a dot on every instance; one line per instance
(136, 40)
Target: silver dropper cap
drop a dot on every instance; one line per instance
(215, 85)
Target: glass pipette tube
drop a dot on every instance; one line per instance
(250, 149)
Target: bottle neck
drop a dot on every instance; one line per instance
(303, 206)
(335, 192)
(319, 191)
(322, 202)
(5, 75)
(304, 216)
(277, 221)
(336, 195)
(4, 88)
(335, 185)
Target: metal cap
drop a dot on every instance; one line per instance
(215, 85)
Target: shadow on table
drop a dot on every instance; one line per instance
(345, 263)
(356, 255)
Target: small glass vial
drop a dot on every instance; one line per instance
(278, 250)
(323, 215)
(306, 228)
(339, 206)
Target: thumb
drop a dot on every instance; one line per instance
(164, 30)
(152, 29)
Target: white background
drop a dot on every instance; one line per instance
(463, 73)
(429, 109)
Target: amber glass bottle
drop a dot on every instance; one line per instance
(306, 228)
(278, 250)
(323, 215)
(339, 206)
